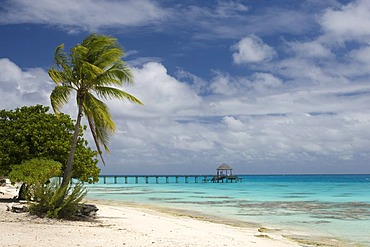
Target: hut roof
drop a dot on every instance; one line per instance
(224, 167)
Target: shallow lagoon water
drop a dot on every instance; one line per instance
(336, 206)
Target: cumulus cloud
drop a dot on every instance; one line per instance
(223, 83)
(261, 83)
(10, 74)
(255, 124)
(199, 85)
(350, 22)
(252, 49)
(82, 15)
(265, 81)
(361, 55)
(161, 93)
(307, 106)
(233, 123)
(23, 87)
(312, 49)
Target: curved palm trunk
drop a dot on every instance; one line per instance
(67, 176)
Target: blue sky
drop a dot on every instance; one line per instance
(266, 86)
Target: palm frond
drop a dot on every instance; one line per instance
(109, 56)
(59, 97)
(100, 112)
(62, 73)
(91, 72)
(100, 121)
(112, 93)
(57, 76)
(100, 44)
(122, 72)
(95, 137)
(60, 57)
(116, 75)
(78, 56)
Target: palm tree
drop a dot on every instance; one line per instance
(93, 70)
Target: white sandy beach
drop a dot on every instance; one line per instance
(125, 225)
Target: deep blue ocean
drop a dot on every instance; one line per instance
(335, 206)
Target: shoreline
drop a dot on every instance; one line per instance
(296, 238)
(130, 224)
(119, 225)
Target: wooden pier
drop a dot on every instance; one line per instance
(125, 179)
(224, 175)
(227, 179)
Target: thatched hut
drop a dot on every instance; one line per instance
(225, 174)
(224, 170)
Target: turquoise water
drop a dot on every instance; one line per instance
(336, 206)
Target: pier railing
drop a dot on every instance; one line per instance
(125, 179)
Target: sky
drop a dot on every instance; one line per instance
(266, 86)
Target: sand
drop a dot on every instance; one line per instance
(128, 226)
(125, 224)
(120, 224)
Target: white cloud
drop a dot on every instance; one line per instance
(265, 81)
(350, 22)
(312, 49)
(233, 123)
(308, 107)
(87, 15)
(230, 8)
(199, 85)
(251, 49)
(262, 121)
(10, 74)
(161, 93)
(225, 19)
(23, 87)
(223, 84)
(361, 55)
(221, 11)
(232, 19)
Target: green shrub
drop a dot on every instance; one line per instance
(34, 172)
(37, 170)
(31, 132)
(54, 201)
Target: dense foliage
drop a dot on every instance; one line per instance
(36, 170)
(33, 173)
(31, 132)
